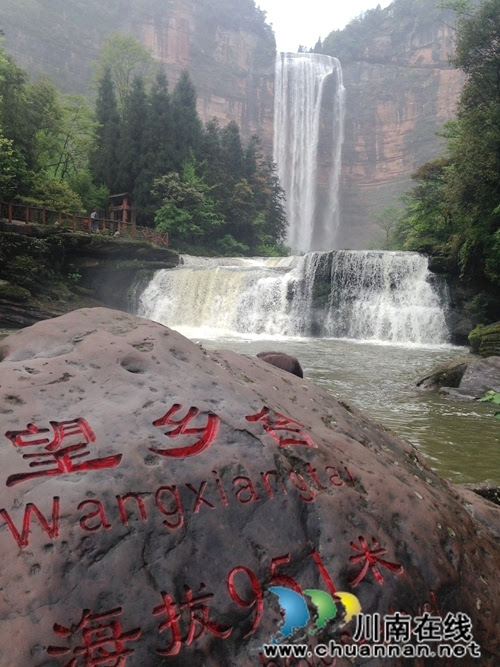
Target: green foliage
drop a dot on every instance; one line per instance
(228, 247)
(387, 220)
(125, 58)
(13, 173)
(188, 212)
(104, 155)
(358, 40)
(27, 262)
(91, 195)
(74, 277)
(53, 194)
(186, 124)
(453, 208)
(491, 397)
(73, 139)
(132, 136)
(157, 152)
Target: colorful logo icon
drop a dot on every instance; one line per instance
(296, 613)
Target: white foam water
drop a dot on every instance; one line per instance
(367, 295)
(309, 112)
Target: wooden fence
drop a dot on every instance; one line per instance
(20, 213)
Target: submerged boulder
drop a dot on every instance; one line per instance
(160, 504)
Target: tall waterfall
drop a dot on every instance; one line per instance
(308, 136)
(365, 295)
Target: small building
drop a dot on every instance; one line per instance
(121, 208)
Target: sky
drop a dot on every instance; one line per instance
(303, 21)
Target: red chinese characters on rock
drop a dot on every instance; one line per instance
(284, 430)
(199, 620)
(62, 459)
(103, 641)
(207, 433)
(371, 558)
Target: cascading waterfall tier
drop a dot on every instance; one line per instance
(308, 135)
(365, 295)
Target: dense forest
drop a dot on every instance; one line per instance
(199, 183)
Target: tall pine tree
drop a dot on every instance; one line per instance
(187, 127)
(104, 156)
(157, 157)
(232, 152)
(132, 136)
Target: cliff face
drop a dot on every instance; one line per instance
(226, 46)
(230, 58)
(399, 92)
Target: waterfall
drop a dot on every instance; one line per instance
(363, 295)
(308, 136)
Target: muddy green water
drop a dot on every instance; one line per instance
(461, 440)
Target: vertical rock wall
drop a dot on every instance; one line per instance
(395, 103)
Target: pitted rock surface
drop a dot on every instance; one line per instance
(118, 533)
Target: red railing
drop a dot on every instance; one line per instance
(30, 214)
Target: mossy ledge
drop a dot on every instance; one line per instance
(45, 272)
(486, 340)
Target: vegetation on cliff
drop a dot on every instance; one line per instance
(358, 40)
(454, 207)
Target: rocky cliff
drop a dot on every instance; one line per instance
(400, 89)
(225, 44)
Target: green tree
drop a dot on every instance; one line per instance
(13, 172)
(125, 58)
(53, 194)
(157, 153)
(188, 212)
(387, 221)
(187, 128)
(104, 155)
(232, 152)
(74, 140)
(131, 145)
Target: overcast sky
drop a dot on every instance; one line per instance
(303, 21)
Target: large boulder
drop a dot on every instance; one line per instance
(467, 378)
(158, 500)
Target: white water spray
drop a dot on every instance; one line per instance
(365, 295)
(308, 135)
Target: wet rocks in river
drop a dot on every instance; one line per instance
(154, 495)
(468, 378)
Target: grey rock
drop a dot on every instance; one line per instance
(467, 378)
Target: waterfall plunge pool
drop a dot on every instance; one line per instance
(379, 324)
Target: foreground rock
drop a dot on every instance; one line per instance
(469, 377)
(154, 493)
